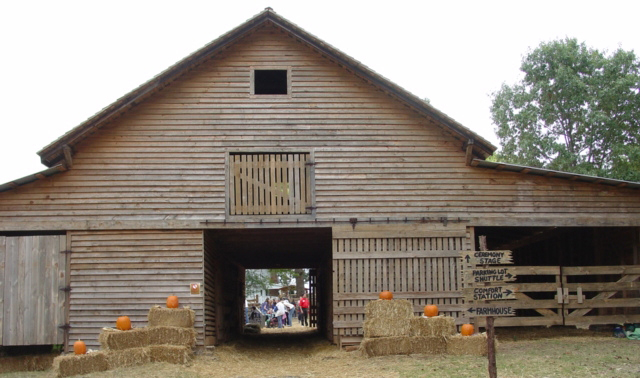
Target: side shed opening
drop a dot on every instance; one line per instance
(229, 252)
(572, 276)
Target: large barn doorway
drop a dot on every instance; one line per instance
(229, 252)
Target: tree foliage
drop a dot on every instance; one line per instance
(257, 280)
(576, 109)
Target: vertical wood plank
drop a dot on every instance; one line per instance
(429, 274)
(10, 277)
(23, 245)
(237, 185)
(290, 181)
(307, 183)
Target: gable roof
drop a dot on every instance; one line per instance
(54, 152)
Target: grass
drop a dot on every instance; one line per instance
(300, 353)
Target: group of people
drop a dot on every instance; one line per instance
(284, 311)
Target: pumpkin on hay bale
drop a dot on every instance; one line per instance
(172, 301)
(79, 347)
(123, 323)
(171, 317)
(474, 345)
(467, 330)
(385, 295)
(433, 326)
(430, 310)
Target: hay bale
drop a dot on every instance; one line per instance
(69, 365)
(474, 345)
(10, 364)
(171, 317)
(172, 336)
(128, 357)
(385, 327)
(171, 353)
(115, 339)
(433, 326)
(385, 346)
(396, 308)
(428, 345)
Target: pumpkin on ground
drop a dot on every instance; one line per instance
(172, 301)
(123, 323)
(79, 347)
(430, 310)
(386, 295)
(466, 330)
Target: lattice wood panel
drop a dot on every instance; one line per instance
(269, 184)
(421, 270)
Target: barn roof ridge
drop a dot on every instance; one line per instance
(53, 153)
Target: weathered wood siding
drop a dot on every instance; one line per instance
(119, 273)
(424, 268)
(165, 160)
(31, 302)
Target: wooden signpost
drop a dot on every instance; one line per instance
(481, 286)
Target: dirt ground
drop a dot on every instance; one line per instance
(300, 352)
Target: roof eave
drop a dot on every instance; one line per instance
(507, 167)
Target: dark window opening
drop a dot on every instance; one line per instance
(268, 82)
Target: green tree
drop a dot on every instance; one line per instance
(576, 109)
(256, 281)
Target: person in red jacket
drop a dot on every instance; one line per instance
(304, 305)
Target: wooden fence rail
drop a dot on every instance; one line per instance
(578, 296)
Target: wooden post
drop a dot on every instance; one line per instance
(491, 335)
(491, 348)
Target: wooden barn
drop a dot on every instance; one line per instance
(269, 148)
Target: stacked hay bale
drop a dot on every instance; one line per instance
(169, 337)
(391, 328)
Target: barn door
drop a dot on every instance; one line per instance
(32, 272)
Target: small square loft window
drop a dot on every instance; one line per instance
(270, 82)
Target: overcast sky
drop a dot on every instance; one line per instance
(63, 61)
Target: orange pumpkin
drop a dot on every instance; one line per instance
(430, 310)
(386, 295)
(467, 330)
(172, 301)
(79, 347)
(123, 323)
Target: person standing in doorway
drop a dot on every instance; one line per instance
(289, 309)
(304, 305)
(280, 312)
